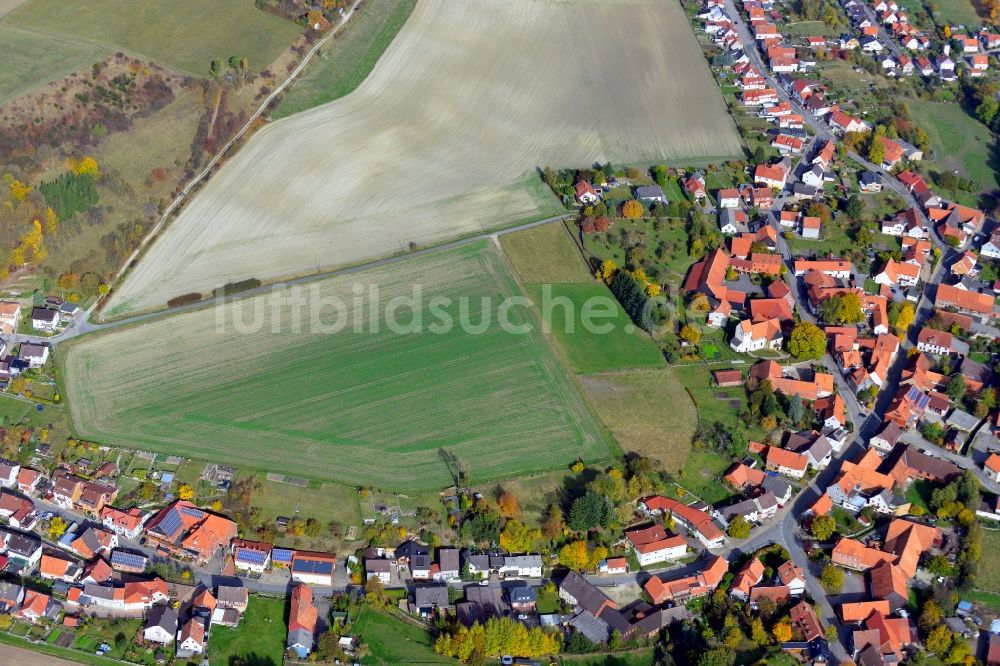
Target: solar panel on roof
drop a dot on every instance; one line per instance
(124, 559)
(170, 523)
(282, 554)
(313, 566)
(250, 556)
(198, 514)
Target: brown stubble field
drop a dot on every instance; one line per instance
(442, 140)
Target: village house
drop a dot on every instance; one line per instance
(160, 625)
(28, 480)
(992, 467)
(185, 529)
(654, 544)
(314, 568)
(90, 542)
(687, 587)
(11, 596)
(35, 606)
(697, 521)
(126, 524)
(650, 193)
(585, 193)
(932, 341)
(52, 567)
(44, 319)
(18, 511)
(252, 556)
(790, 575)
(729, 198)
(754, 510)
(749, 337)
(23, 549)
(895, 273)
(964, 300)
(128, 561)
(8, 473)
(613, 565)
(786, 462)
(773, 175)
(34, 354)
(749, 575)
(10, 316)
(191, 638)
(811, 227)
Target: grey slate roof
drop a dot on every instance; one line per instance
(302, 637)
(595, 629)
(587, 595)
(448, 559)
(430, 595)
(164, 617)
(775, 485)
(650, 192)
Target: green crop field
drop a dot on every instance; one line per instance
(259, 639)
(545, 254)
(33, 60)
(348, 58)
(373, 407)
(648, 412)
(183, 34)
(623, 346)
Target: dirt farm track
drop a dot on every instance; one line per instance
(442, 139)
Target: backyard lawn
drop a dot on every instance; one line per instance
(322, 501)
(919, 494)
(391, 640)
(12, 410)
(702, 475)
(989, 563)
(712, 403)
(259, 639)
(54, 654)
(638, 658)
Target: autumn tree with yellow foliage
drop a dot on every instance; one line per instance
(579, 555)
(632, 210)
(518, 537)
(499, 636)
(85, 166)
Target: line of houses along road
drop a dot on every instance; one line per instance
(99, 566)
(934, 408)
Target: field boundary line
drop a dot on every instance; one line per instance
(614, 449)
(196, 180)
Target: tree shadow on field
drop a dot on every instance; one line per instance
(573, 487)
(252, 659)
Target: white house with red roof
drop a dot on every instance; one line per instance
(655, 544)
(585, 193)
(992, 467)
